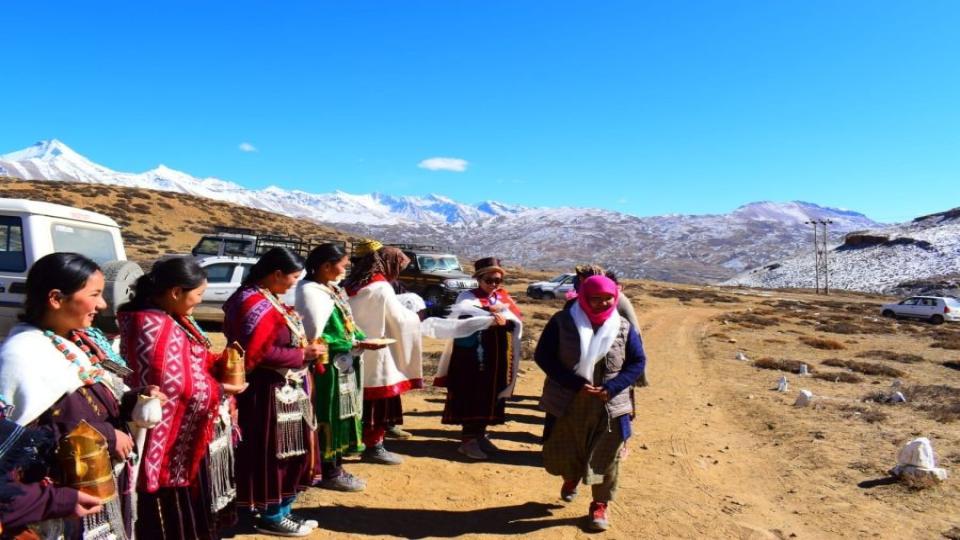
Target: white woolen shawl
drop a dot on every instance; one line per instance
(593, 345)
(34, 374)
(378, 313)
(452, 327)
(315, 305)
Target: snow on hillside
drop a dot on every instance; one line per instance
(875, 260)
(671, 247)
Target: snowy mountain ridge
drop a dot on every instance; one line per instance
(692, 248)
(921, 255)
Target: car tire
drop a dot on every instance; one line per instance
(120, 278)
(888, 313)
(549, 296)
(433, 296)
(936, 319)
(536, 294)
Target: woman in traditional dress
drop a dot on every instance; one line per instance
(22, 451)
(392, 370)
(166, 347)
(276, 417)
(64, 376)
(338, 386)
(591, 356)
(482, 366)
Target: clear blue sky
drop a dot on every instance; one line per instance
(645, 107)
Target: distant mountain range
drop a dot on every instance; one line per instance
(690, 248)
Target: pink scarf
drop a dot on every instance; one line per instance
(594, 285)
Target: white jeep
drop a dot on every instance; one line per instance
(31, 229)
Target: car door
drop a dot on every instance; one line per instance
(566, 285)
(222, 280)
(909, 307)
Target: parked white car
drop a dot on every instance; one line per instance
(31, 229)
(224, 276)
(935, 309)
(555, 288)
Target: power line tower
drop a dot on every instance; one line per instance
(824, 255)
(821, 264)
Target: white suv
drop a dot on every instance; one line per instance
(935, 309)
(31, 229)
(224, 276)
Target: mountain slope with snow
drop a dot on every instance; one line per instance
(671, 247)
(891, 259)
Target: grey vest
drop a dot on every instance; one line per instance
(556, 398)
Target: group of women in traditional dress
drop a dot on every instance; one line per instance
(147, 442)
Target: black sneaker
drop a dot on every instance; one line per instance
(284, 527)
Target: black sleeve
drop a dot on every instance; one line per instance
(546, 356)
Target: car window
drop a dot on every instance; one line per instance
(426, 263)
(559, 279)
(447, 262)
(909, 302)
(97, 244)
(12, 257)
(207, 246)
(245, 271)
(238, 247)
(220, 272)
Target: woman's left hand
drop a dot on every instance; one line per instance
(499, 320)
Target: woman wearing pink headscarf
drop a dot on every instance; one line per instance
(591, 356)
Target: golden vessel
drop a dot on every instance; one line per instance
(234, 369)
(84, 461)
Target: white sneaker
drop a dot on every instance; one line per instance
(284, 527)
(472, 450)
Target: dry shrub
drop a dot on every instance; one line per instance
(867, 368)
(823, 344)
(780, 364)
(839, 376)
(939, 401)
(540, 316)
(719, 335)
(774, 341)
(893, 356)
(688, 295)
(952, 365)
(868, 415)
(840, 327)
(947, 342)
(751, 320)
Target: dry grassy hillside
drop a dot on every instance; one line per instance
(158, 222)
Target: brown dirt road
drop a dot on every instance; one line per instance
(703, 463)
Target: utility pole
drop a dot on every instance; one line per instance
(816, 254)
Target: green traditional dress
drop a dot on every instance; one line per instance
(338, 391)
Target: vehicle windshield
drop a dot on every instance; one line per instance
(97, 244)
(559, 278)
(440, 263)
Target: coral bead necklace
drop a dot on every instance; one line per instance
(89, 375)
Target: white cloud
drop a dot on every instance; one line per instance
(247, 147)
(444, 164)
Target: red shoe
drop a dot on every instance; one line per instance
(598, 516)
(569, 490)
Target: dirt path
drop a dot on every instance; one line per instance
(692, 471)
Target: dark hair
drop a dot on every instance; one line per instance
(67, 272)
(322, 254)
(278, 258)
(183, 272)
(612, 276)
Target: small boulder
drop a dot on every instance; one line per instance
(804, 399)
(783, 385)
(917, 465)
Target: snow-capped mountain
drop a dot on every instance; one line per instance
(671, 247)
(54, 160)
(923, 254)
